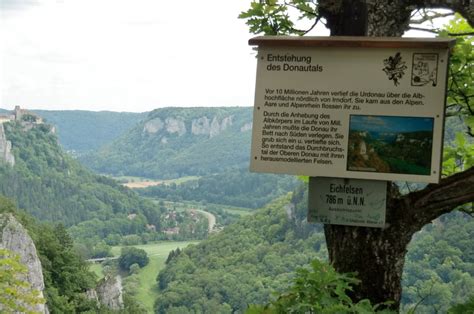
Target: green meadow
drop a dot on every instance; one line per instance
(157, 252)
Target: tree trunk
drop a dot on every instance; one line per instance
(378, 255)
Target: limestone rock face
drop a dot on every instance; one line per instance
(246, 127)
(200, 126)
(217, 128)
(109, 292)
(14, 237)
(6, 155)
(174, 125)
(205, 126)
(153, 126)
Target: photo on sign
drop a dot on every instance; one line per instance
(424, 69)
(390, 144)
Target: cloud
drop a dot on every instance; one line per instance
(12, 5)
(126, 55)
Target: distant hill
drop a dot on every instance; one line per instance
(83, 131)
(176, 142)
(52, 186)
(239, 188)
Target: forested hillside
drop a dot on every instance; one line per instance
(176, 142)
(244, 263)
(54, 187)
(252, 258)
(239, 188)
(81, 131)
(66, 275)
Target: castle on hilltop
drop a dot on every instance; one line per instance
(19, 114)
(27, 119)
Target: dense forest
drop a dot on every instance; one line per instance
(177, 142)
(243, 264)
(235, 188)
(258, 255)
(52, 186)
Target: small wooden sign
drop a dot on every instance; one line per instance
(351, 202)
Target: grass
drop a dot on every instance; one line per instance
(97, 269)
(143, 179)
(185, 205)
(239, 211)
(157, 252)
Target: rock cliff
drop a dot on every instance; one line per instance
(199, 126)
(6, 155)
(109, 292)
(14, 237)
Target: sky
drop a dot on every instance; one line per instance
(124, 55)
(391, 124)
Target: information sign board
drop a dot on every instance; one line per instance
(350, 107)
(352, 202)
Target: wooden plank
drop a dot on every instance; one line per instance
(352, 42)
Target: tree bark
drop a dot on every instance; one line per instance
(378, 255)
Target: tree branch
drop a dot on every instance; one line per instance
(463, 7)
(429, 15)
(429, 30)
(438, 199)
(437, 31)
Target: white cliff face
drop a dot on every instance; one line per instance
(153, 126)
(6, 155)
(246, 127)
(14, 237)
(200, 126)
(175, 126)
(109, 292)
(217, 128)
(205, 126)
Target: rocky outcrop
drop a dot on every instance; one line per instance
(246, 127)
(6, 155)
(205, 126)
(200, 126)
(153, 126)
(174, 125)
(171, 125)
(14, 237)
(109, 292)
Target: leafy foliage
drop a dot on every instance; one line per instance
(439, 266)
(258, 255)
(467, 307)
(243, 264)
(461, 77)
(15, 292)
(318, 290)
(66, 275)
(271, 17)
(132, 256)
